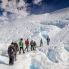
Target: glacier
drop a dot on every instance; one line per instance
(55, 25)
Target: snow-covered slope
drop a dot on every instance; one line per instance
(35, 27)
(58, 51)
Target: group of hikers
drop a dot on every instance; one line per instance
(15, 47)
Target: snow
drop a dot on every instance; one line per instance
(37, 1)
(24, 61)
(35, 27)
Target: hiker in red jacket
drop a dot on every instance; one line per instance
(27, 44)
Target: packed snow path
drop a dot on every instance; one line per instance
(33, 60)
(24, 61)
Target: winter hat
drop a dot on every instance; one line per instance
(21, 38)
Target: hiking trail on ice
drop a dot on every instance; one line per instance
(23, 61)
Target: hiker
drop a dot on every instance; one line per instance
(27, 44)
(16, 49)
(41, 43)
(11, 52)
(32, 44)
(48, 40)
(21, 46)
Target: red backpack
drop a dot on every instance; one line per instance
(27, 42)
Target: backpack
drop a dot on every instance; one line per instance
(20, 43)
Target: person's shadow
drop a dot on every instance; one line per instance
(4, 55)
(2, 62)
